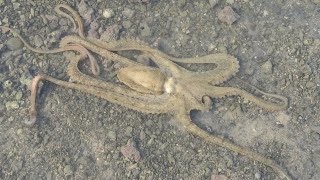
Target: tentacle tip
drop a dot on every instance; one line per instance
(32, 120)
(96, 71)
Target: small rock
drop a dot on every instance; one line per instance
(52, 20)
(211, 47)
(282, 118)
(128, 131)
(5, 20)
(25, 80)
(93, 31)
(15, 6)
(108, 13)
(315, 129)
(67, 170)
(126, 24)
(19, 131)
(227, 15)
(130, 151)
(17, 165)
(230, 1)
(257, 175)
(213, 3)
(7, 84)
(38, 41)
(171, 159)
(310, 84)
(111, 33)
(14, 44)
(249, 70)
(266, 67)
(308, 41)
(32, 12)
(182, 3)
(86, 12)
(229, 115)
(145, 29)
(164, 46)
(128, 13)
(307, 70)
(18, 95)
(142, 135)
(1, 45)
(112, 135)
(63, 22)
(12, 105)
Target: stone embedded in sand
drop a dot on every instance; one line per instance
(130, 151)
(227, 15)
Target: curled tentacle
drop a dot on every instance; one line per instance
(76, 19)
(63, 47)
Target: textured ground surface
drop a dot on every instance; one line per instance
(80, 136)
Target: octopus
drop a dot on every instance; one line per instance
(167, 88)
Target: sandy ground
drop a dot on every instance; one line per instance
(79, 136)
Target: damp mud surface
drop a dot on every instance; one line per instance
(79, 136)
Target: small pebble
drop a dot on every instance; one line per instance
(128, 13)
(230, 1)
(93, 31)
(130, 151)
(5, 20)
(16, 6)
(128, 131)
(112, 135)
(227, 15)
(182, 3)
(111, 33)
(310, 84)
(213, 3)
(108, 13)
(164, 45)
(12, 105)
(266, 67)
(257, 175)
(19, 131)
(38, 41)
(7, 84)
(142, 135)
(249, 70)
(63, 22)
(14, 44)
(145, 30)
(18, 95)
(67, 170)
(126, 24)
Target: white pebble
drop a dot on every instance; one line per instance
(108, 13)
